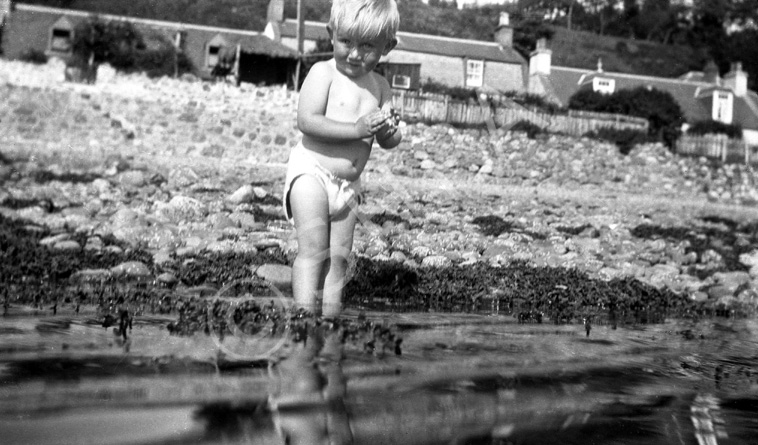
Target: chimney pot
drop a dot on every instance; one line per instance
(505, 19)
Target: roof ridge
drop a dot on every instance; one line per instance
(138, 20)
(635, 76)
(431, 36)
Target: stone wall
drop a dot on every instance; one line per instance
(130, 113)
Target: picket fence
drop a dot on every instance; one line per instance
(437, 108)
(718, 146)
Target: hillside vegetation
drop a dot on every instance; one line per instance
(581, 49)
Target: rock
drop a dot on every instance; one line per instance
(67, 245)
(182, 177)
(125, 217)
(94, 243)
(428, 164)
(131, 269)
(280, 276)
(731, 280)
(220, 221)
(242, 195)
(420, 155)
(54, 239)
(91, 276)
(162, 257)
(246, 221)
(181, 208)
(162, 238)
(132, 179)
(436, 261)
(719, 291)
(167, 279)
(749, 259)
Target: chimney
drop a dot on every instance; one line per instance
(540, 59)
(274, 19)
(5, 11)
(711, 73)
(736, 79)
(504, 31)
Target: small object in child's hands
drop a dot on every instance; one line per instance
(392, 116)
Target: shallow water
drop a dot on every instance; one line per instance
(463, 379)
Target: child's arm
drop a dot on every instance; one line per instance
(311, 111)
(389, 136)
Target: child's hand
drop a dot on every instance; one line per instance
(369, 124)
(388, 136)
(393, 117)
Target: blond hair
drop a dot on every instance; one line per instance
(366, 19)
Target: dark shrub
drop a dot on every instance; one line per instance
(700, 128)
(122, 46)
(531, 129)
(588, 100)
(658, 107)
(625, 139)
(34, 56)
(456, 93)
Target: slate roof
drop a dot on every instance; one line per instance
(685, 90)
(423, 43)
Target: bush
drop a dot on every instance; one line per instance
(658, 107)
(34, 56)
(456, 93)
(122, 46)
(625, 139)
(531, 129)
(701, 128)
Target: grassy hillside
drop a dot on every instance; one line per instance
(578, 49)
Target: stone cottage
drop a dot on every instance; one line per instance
(51, 30)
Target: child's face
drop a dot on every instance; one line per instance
(355, 56)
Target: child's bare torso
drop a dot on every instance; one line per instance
(348, 100)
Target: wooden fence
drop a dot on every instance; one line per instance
(436, 108)
(718, 147)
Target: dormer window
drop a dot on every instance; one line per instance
(61, 37)
(214, 50)
(603, 85)
(474, 73)
(723, 103)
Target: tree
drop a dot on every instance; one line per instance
(526, 34)
(97, 41)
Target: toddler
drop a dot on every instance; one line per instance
(344, 106)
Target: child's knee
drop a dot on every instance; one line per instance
(338, 262)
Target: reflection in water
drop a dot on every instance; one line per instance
(601, 405)
(464, 381)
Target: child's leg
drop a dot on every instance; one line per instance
(310, 210)
(340, 245)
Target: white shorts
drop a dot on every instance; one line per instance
(341, 193)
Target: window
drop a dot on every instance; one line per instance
(61, 36)
(603, 85)
(214, 50)
(722, 107)
(474, 73)
(401, 81)
(213, 53)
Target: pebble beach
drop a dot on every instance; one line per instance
(178, 167)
